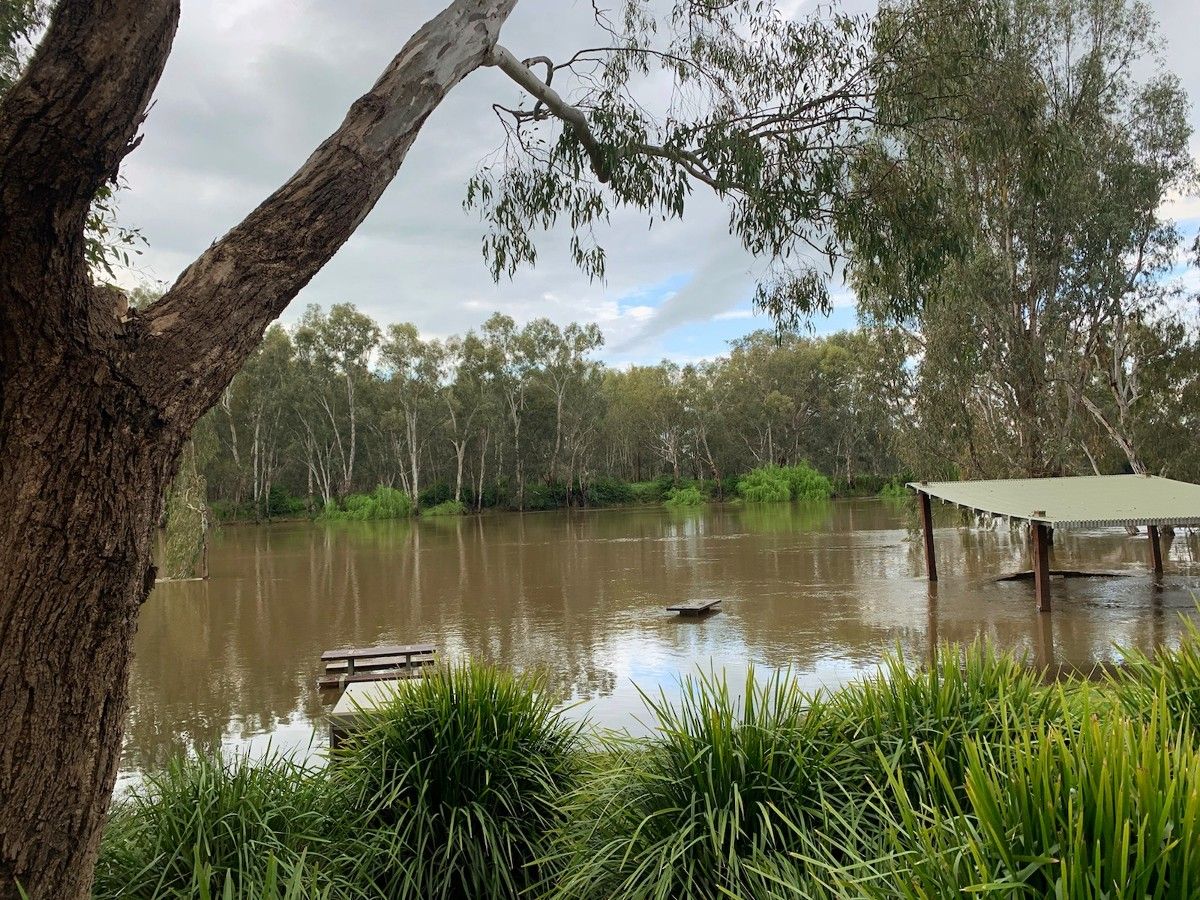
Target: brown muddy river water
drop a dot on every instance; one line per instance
(822, 589)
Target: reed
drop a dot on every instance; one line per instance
(893, 721)
(458, 784)
(1175, 674)
(212, 827)
(721, 786)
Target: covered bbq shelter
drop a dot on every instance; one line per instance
(1092, 501)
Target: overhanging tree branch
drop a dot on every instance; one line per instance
(195, 338)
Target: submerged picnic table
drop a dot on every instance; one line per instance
(349, 665)
(695, 607)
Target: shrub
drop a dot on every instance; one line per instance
(1175, 674)
(1109, 807)
(646, 492)
(545, 496)
(604, 491)
(964, 776)
(766, 484)
(436, 494)
(778, 484)
(894, 720)
(202, 827)
(683, 497)
(695, 811)
(448, 508)
(383, 503)
(459, 782)
(281, 502)
(806, 483)
(895, 490)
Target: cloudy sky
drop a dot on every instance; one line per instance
(253, 85)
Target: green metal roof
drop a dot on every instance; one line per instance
(1091, 501)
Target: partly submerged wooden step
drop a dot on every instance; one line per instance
(359, 700)
(695, 607)
(339, 680)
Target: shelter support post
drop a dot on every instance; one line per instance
(1041, 565)
(927, 528)
(1156, 563)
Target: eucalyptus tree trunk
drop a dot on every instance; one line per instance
(97, 401)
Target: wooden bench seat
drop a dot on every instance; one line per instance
(385, 656)
(357, 653)
(371, 664)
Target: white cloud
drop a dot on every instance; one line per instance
(253, 85)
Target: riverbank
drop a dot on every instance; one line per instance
(968, 774)
(771, 484)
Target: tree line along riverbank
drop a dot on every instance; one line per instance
(766, 484)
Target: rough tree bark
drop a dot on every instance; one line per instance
(95, 404)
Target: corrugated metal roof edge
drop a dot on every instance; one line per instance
(1184, 522)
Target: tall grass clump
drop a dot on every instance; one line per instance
(382, 503)
(682, 497)
(212, 827)
(459, 783)
(895, 490)
(1106, 807)
(1173, 673)
(893, 721)
(704, 806)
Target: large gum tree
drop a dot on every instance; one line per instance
(97, 399)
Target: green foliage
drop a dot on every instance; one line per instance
(313, 414)
(689, 813)
(280, 503)
(766, 484)
(766, 106)
(606, 491)
(895, 490)
(895, 720)
(447, 508)
(545, 496)
(683, 497)
(384, 503)
(20, 20)
(1107, 808)
(806, 483)
(967, 775)
(185, 552)
(205, 827)
(460, 782)
(1053, 123)
(646, 492)
(778, 484)
(435, 494)
(1174, 674)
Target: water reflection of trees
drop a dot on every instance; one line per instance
(806, 587)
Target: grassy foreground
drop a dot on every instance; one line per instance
(964, 777)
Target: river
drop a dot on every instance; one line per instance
(822, 589)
